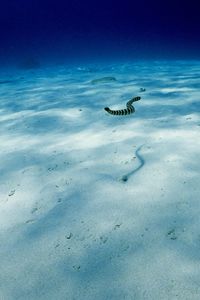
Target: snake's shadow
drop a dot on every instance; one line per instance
(142, 162)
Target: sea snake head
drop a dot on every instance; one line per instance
(107, 108)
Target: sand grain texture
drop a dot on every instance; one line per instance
(69, 227)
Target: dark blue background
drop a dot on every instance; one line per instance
(87, 30)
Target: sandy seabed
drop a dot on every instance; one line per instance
(70, 227)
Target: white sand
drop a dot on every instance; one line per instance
(69, 227)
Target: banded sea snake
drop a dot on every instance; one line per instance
(127, 111)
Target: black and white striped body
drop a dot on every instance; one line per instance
(127, 111)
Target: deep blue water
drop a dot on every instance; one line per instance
(60, 31)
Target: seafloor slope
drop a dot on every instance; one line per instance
(70, 226)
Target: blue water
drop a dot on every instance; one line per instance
(96, 206)
(77, 31)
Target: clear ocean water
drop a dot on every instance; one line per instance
(77, 31)
(96, 205)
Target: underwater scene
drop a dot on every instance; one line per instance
(100, 144)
